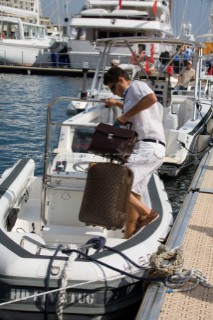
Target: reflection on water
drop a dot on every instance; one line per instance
(23, 108)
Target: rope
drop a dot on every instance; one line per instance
(169, 264)
(47, 280)
(166, 262)
(65, 276)
(187, 280)
(99, 243)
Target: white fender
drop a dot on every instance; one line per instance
(16, 187)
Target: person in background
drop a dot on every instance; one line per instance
(164, 60)
(140, 109)
(188, 53)
(186, 75)
(181, 64)
(193, 54)
(176, 63)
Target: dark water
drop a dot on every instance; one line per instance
(177, 187)
(23, 106)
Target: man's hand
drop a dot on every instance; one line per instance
(123, 119)
(110, 102)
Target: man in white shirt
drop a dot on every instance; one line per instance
(141, 110)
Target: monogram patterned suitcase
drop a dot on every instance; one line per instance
(106, 196)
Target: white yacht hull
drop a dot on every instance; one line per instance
(25, 53)
(23, 40)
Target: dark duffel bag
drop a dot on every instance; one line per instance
(113, 142)
(106, 197)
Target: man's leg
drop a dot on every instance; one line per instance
(138, 216)
(131, 219)
(136, 209)
(138, 205)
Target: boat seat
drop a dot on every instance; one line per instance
(78, 235)
(29, 220)
(34, 244)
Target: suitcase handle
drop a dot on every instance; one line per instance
(128, 125)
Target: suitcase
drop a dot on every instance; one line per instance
(106, 196)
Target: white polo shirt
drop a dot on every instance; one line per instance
(146, 123)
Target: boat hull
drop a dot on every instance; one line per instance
(24, 54)
(109, 302)
(99, 284)
(46, 248)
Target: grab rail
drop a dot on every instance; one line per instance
(49, 124)
(38, 244)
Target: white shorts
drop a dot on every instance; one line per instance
(144, 160)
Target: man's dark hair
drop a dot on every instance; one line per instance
(112, 75)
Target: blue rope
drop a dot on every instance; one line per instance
(98, 244)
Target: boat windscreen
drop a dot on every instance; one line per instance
(82, 139)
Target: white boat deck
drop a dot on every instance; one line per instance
(193, 231)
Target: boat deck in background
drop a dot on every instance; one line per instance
(193, 230)
(50, 71)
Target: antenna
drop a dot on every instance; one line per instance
(66, 19)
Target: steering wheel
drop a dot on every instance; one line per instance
(81, 166)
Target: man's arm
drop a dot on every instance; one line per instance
(114, 103)
(180, 77)
(145, 103)
(193, 76)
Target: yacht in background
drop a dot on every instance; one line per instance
(116, 18)
(23, 40)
